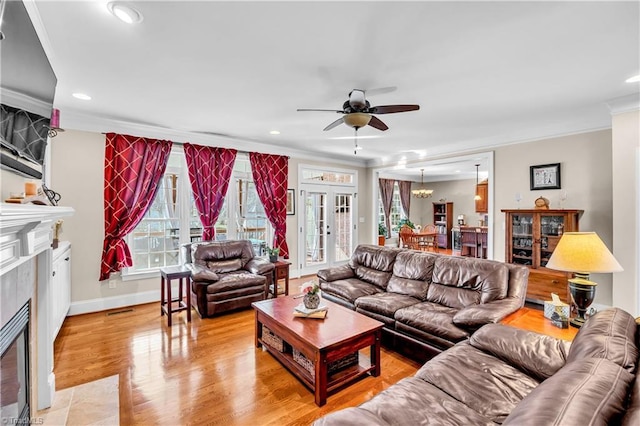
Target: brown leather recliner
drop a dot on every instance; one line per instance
(226, 275)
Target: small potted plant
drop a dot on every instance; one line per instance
(382, 234)
(311, 291)
(405, 221)
(273, 254)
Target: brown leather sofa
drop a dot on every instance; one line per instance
(226, 275)
(504, 375)
(428, 302)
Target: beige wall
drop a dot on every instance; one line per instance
(77, 173)
(459, 192)
(586, 177)
(626, 208)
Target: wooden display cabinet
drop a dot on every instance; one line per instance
(482, 189)
(443, 219)
(531, 238)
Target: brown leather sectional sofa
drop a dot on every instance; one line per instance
(226, 275)
(428, 302)
(504, 375)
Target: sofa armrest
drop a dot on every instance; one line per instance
(476, 316)
(201, 273)
(536, 354)
(338, 273)
(259, 266)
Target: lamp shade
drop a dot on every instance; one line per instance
(583, 252)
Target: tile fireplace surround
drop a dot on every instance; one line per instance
(25, 275)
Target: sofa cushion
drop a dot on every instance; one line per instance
(458, 282)
(537, 355)
(235, 281)
(584, 392)
(373, 264)
(385, 304)
(350, 289)
(215, 251)
(431, 318)
(412, 273)
(632, 416)
(479, 380)
(609, 334)
(413, 401)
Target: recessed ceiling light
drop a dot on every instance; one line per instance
(634, 79)
(274, 132)
(457, 171)
(81, 96)
(124, 12)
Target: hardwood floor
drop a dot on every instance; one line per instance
(204, 372)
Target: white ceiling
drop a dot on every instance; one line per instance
(483, 73)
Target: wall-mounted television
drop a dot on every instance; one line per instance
(27, 89)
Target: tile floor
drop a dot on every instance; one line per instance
(94, 403)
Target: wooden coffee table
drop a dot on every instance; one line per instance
(321, 341)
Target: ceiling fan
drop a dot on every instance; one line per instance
(358, 112)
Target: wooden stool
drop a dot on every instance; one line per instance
(166, 304)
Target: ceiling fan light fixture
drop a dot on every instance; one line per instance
(357, 119)
(124, 12)
(422, 192)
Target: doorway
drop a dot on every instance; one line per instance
(328, 227)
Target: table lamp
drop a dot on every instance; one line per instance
(582, 253)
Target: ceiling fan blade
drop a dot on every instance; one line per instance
(377, 123)
(381, 90)
(390, 109)
(334, 124)
(322, 110)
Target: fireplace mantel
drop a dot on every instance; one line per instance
(26, 268)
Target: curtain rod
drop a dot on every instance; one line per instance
(182, 144)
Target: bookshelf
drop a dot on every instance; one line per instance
(443, 219)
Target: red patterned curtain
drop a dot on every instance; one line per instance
(270, 175)
(132, 169)
(209, 173)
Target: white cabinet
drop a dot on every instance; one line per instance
(60, 286)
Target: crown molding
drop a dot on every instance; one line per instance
(624, 104)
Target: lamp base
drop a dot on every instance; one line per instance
(577, 322)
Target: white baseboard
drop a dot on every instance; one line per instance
(102, 304)
(114, 302)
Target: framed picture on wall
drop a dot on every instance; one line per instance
(544, 176)
(291, 202)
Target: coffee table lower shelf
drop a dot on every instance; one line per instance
(334, 380)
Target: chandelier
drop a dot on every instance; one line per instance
(422, 192)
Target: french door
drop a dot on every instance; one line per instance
(328, 229)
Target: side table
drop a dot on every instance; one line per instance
(281, 271)
(168, 273)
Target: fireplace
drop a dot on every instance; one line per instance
(26, 272)
(14, 369)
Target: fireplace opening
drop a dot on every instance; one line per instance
(14, 369)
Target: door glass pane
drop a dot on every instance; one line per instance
(315, 238)
(551, 229)
(522, 244)
(343, 227)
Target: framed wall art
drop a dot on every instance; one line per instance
(545, 176)
(291, 202)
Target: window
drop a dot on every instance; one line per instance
(173, 220)
(396, 210)
(242, 215)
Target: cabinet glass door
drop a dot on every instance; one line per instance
(522, 239)
(551, 229)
